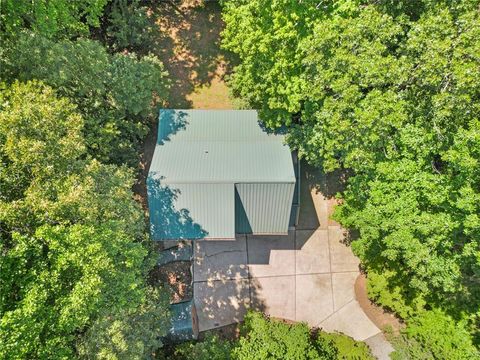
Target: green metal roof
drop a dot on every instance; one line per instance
(218, 146)
(206, 159)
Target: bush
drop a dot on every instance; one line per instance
(265, 338)
(434, 335)
(346, 347)
(271, 339)
(211, 348)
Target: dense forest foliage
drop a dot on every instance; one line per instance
(73, 243)
(389, 93)
(263, 338)
(386, 92)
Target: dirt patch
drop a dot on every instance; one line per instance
(381, 318)
(189, 47)
(177, 276)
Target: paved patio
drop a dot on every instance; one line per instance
(306, 276)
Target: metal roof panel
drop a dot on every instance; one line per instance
(201, 146)
(191, 211)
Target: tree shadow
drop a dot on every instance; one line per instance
(166, 222)
(317, 189)
(226, 284)
(189, 47)
(225, 301)
(329, 184)
(308, 219)
(261, 247)
(170, 122)
(223, 289)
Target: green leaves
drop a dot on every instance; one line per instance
(265, 338)
(116, 94)
(64, 276)
(135, 82)
(133, 334)
(41, 132)
(73, 261)
(265, 35)
(274, 340)
(71, 239)
(41, 141)
(388, 91)
(54, 19)
(432, 334)
(211, 348)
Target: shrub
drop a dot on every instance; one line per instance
(434, 335)
(271, 339)
(265, 338)
(346, 347)
(211, 348)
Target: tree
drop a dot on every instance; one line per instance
(130, 26)
(265, 35)
(115, 94)
(71, 238)
(129, 334)
(58, 280)
(58, 18)
(388, 91)
(434, 335)
(40, 141)
(96, 194)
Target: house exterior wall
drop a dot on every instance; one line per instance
(263, 208)
(296, 195)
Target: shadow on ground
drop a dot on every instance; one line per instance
(189, 46)
(224, 301)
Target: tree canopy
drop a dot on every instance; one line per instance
(73, 242)
(114, 93)
(58, 18)
(390, 92)
(73, 264)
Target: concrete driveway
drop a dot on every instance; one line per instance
(307, 275)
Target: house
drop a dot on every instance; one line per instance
(218, 173)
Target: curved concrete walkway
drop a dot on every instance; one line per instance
(307, 275)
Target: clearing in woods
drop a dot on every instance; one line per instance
(189, 47)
